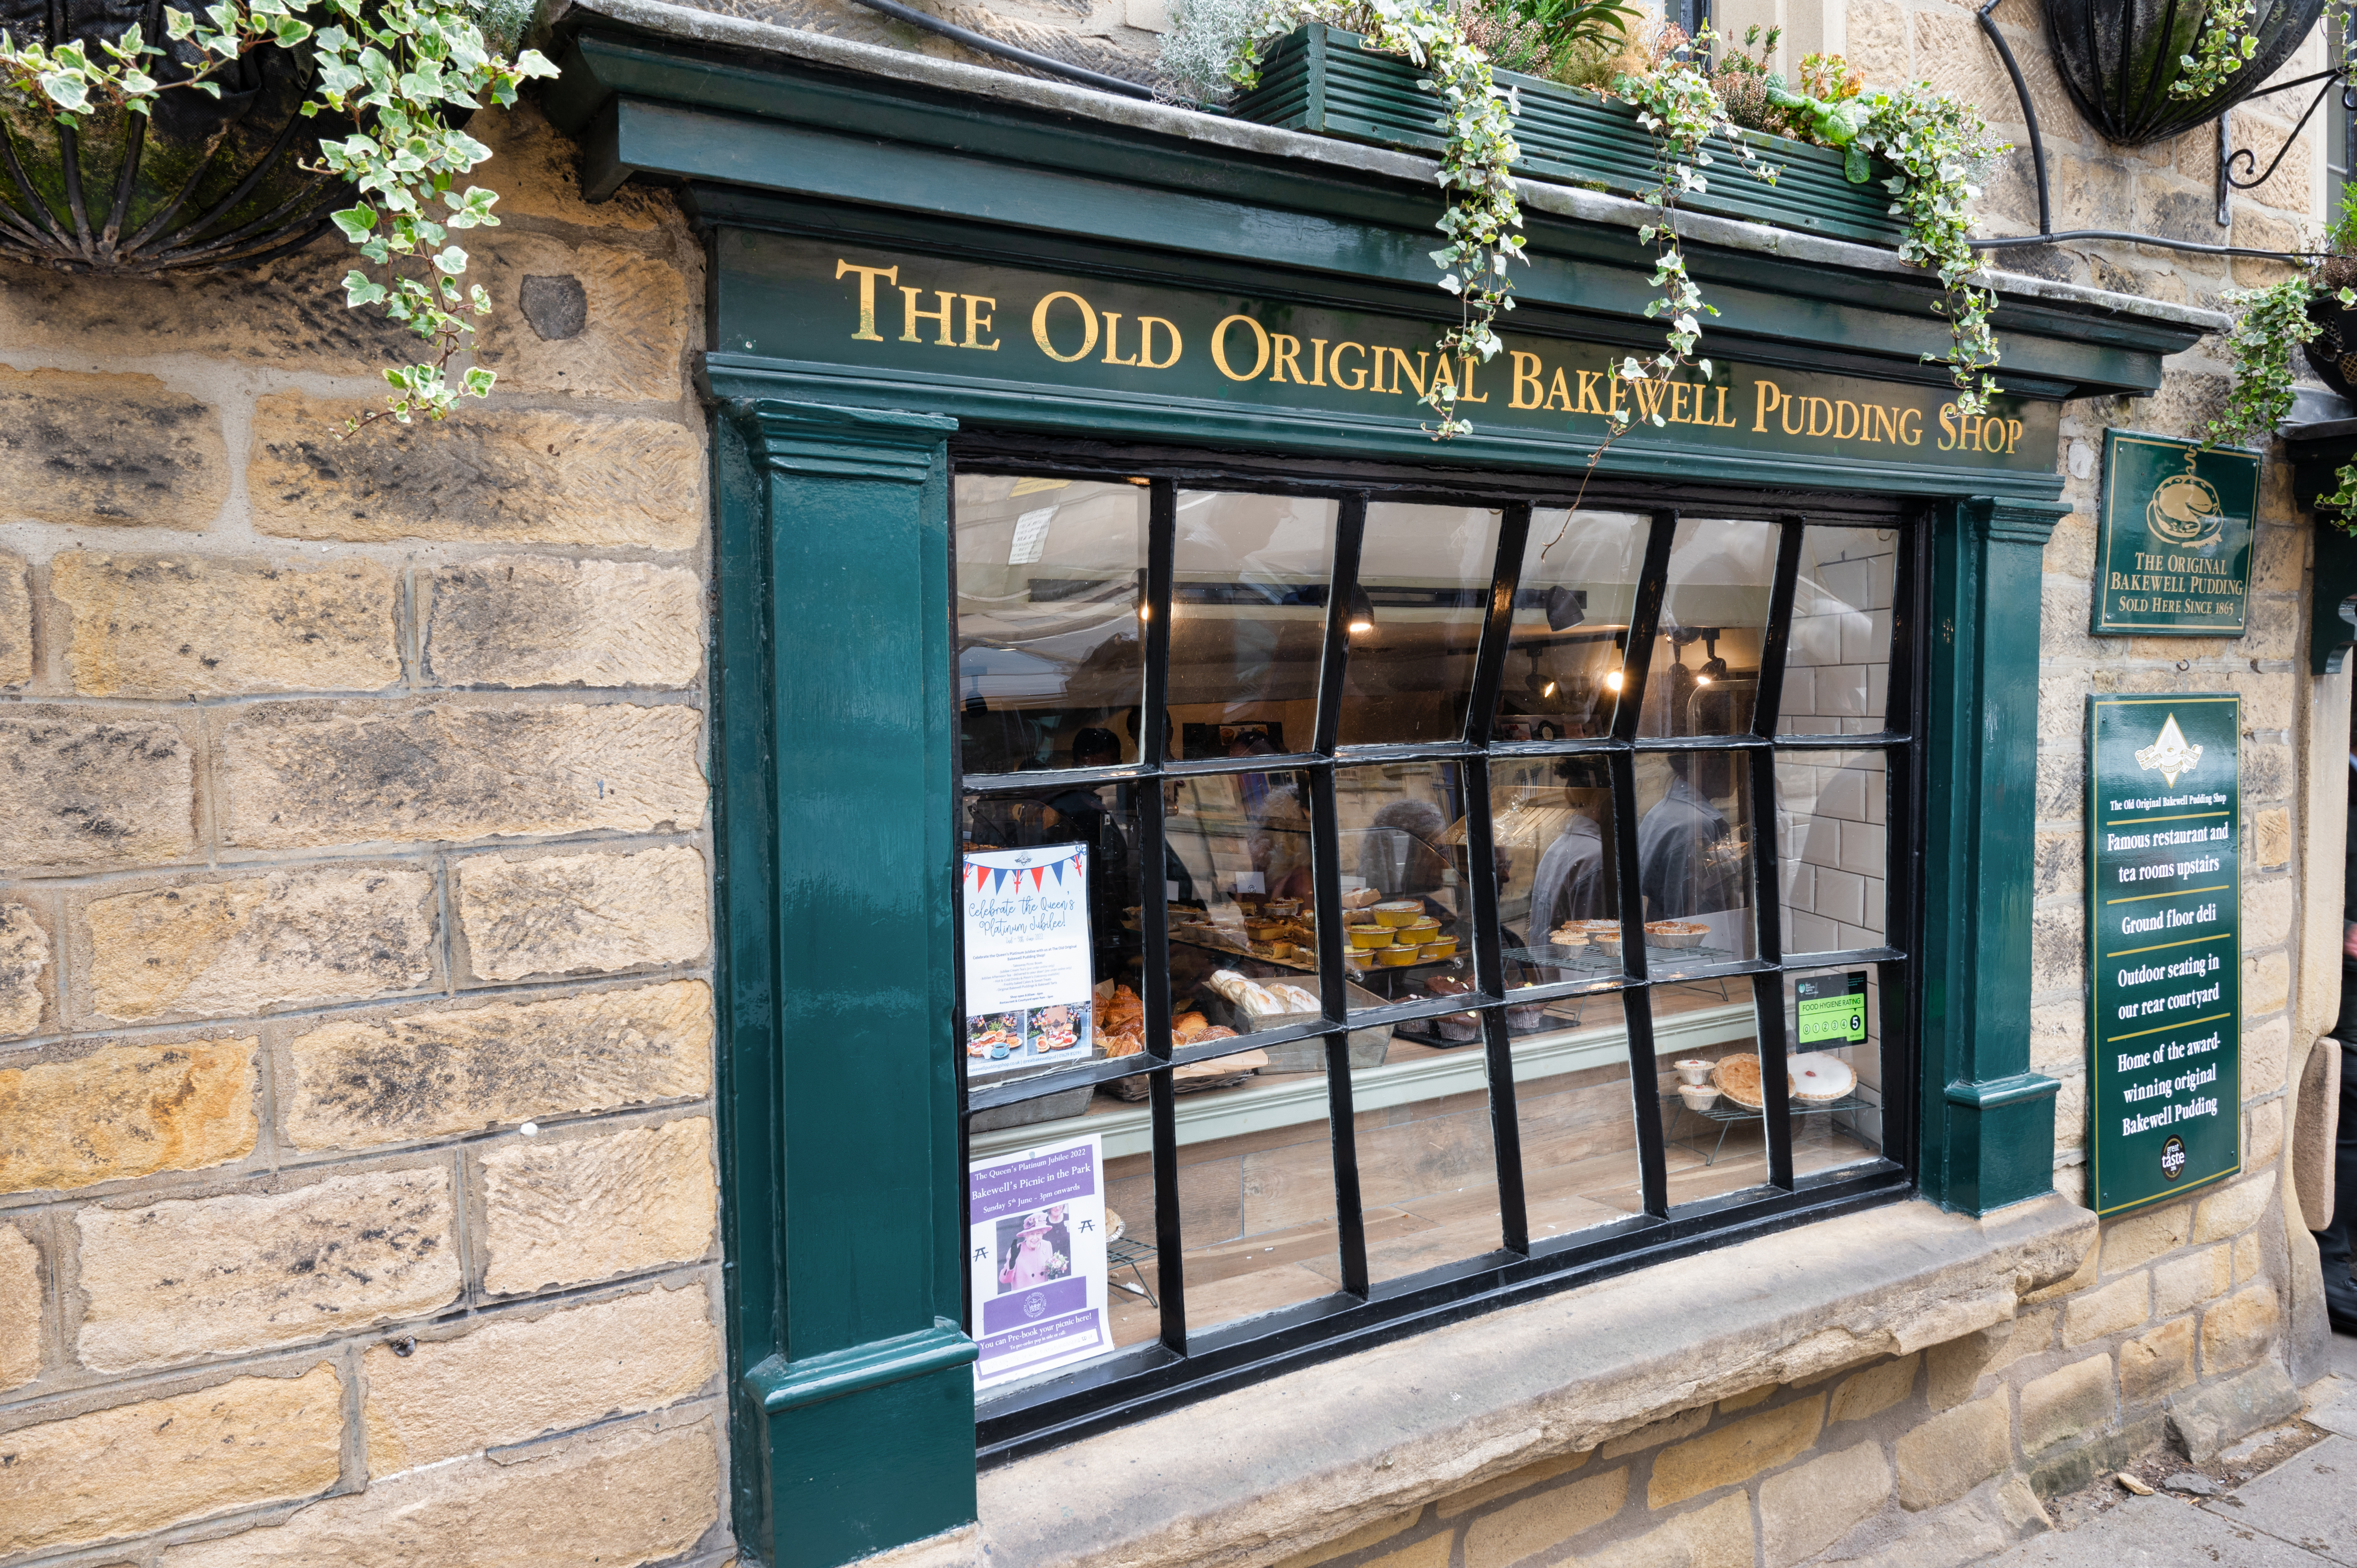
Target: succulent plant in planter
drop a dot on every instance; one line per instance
(136, 137)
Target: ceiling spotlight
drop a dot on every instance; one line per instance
(1362, 613)
(1713, 669)
(1564, 609)
(1547, 689)
(1612, 682)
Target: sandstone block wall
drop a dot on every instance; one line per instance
(358, 1193)
(2170, 1330)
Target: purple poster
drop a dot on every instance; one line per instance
(1036, 1253)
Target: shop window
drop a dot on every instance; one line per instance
(1498, 889)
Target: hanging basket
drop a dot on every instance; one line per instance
(2332, 352)
(200, 183)
(2118, 59)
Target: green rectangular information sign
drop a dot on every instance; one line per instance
(2173, 538)
(2164, 878)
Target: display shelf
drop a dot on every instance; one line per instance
(1267, 1100)
(1731, 1116)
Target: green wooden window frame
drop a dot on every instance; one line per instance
(1140, 1380)
(853, 1416)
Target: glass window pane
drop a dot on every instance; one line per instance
(1833, 842)
(1837, 672)
(1705, 674)
(1415, 621)
(1713, 1139)
(1559, 885)
(1257, 1205)
(1132, 1261)
(1578, 1120)
(1693, 857)
(1237, 874)
(1834, 1019)
(1427, 1166)
(1578, 588)
(1401, 830)
(1054, 823)
(1050, 574)
(1247, 622)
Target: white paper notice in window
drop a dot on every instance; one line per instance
(1036, 1252)
(1027, 976)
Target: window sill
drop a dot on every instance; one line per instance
(1316, 1454)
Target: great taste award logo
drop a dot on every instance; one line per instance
(2168, 755)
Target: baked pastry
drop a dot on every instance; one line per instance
(1738, 1078)
(1818, 1078)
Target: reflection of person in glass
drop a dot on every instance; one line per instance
(1398, 855)
(1573, 881)
(1688, 862)
(1083, 818)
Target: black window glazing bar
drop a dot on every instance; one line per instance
(1489, 980)
(1498, 625)
(1228, 1353)
(1767, 702)
(1653, 1166)
(1333, 994)
(1161, 1089)
(1349, 534)
(1482, 892)
(1767, 898)
(1910, 653)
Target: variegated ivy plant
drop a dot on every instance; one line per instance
(396, 69)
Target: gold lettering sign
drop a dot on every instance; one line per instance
(916, 316)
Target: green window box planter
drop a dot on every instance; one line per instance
(1320, 78)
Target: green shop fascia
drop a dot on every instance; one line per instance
(1035, 410)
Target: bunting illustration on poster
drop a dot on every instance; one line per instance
(1028, 974)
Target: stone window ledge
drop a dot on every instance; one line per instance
(1272, 1470)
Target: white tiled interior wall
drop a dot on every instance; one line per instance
(1832, 836)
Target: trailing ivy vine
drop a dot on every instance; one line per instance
(1483, 220)
(1484, 217)
(2224, 45)
(1934, 145)
(397, 70)
(1677, 105)
(2269, 324)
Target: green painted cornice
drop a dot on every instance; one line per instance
(843, 442)
(777, 1384)
(990, 161)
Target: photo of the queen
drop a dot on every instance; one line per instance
(1033, 1249)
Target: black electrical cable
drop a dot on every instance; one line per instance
(990, 45)
(2007, 241)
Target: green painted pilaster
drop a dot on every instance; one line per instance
(852, 1402)
(1988, 1119)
